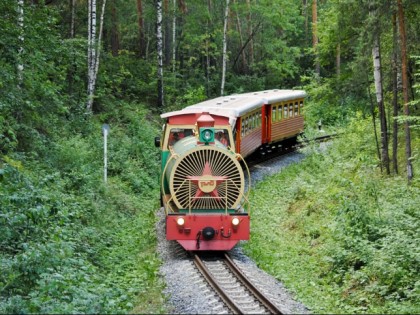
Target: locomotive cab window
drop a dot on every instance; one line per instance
(222, 135)
(177, 134)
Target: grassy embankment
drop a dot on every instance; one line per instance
(340, 235)
(69, 243)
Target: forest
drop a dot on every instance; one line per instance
(72, 243)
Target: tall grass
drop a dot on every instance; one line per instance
(337, 232)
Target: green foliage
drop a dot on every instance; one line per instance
(69, 244)
(344, 239)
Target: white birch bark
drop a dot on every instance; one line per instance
(91, 51)
(224, 49)
(159, 40)
(94, 51)
(20, 65)
(174, 37)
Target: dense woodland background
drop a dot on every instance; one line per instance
(70, 243)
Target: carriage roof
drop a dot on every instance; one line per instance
(236, 105)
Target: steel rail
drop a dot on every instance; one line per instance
(210, 279)
(230, 303)
(273, 309)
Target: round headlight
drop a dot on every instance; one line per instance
(207, 135)
(180, 221)
(235, 221)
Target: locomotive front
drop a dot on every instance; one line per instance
(203, 183)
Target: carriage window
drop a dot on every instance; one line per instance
(259, 120)
(290, 110)
(242, 127)
(285, 111)
(246, 125)
(274, 113)
(301, 107)
(296, 109)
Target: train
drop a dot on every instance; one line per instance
(204, 175)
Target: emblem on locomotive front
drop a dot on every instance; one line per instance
(207, 183)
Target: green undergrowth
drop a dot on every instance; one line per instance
(339, 234)
(69, 243)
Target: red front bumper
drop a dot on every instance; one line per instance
(189, 235)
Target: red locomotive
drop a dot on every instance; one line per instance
(202, 181)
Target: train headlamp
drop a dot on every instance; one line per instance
(180, 221)
(207, 134)
(235, 221)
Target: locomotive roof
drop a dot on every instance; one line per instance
(237, 105)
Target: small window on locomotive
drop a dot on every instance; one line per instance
(296, 109)
(222, 136)
(285, 112)
(291, 110)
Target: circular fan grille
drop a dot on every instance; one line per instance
(207, 178)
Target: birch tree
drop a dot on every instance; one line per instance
(20, 23)
(159, 43)
(224, 57)
(93, 49)
(377, 73)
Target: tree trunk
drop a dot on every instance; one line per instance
(405, 90)
(241, 40)
(315, 37)
(380, 101)
(72, 18)
(174, 37)
(372, 110)
(159, 43)
(140, 22)
(166, 33)
(115, 35)
(250, 32)
(91, 52)
(21, 37)
(224, 48)
(395, 94)
(94, 50)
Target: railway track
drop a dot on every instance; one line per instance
(275, 151)
(233, 287)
